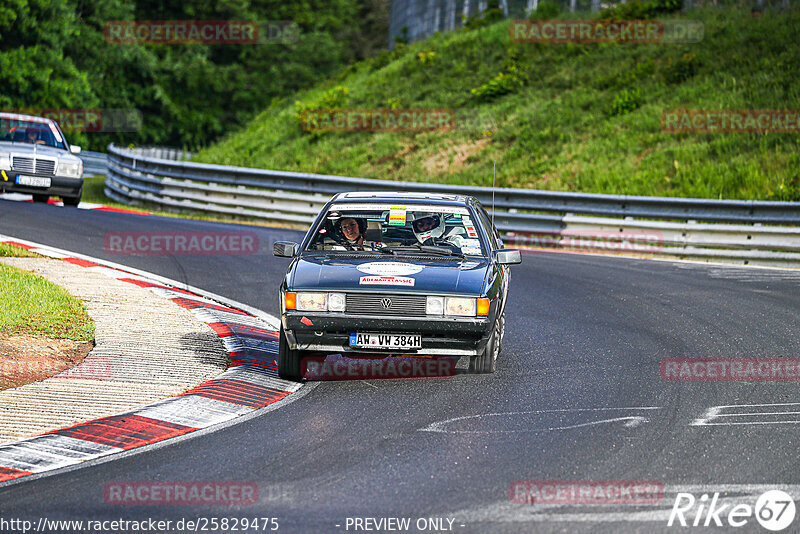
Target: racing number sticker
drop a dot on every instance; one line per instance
(397, 215)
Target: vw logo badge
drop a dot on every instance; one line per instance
(386, 303)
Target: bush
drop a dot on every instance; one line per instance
(332, 99)
(385, 57)
(492, 14)
(503, 83)
(507, 81)
(546, 10)
(681, 70)
(788, 190)
(625, 101)
(641, 10)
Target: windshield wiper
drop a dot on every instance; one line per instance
(432, 249)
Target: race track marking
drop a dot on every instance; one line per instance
(782, 417)
(630, 421)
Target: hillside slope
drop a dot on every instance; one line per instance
(571, 117)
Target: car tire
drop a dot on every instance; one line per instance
(73, 201)
(288, 360)
(486, 361)
(41, 198)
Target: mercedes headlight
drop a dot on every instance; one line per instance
(5, 161)
(70, 169)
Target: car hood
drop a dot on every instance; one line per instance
(430, 275)
(41, 150)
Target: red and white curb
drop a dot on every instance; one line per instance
(250, 383)
(20, 197)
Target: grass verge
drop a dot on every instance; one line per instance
(10, 251)
(29, 304)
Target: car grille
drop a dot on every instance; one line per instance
(31, 166)
(376, 304)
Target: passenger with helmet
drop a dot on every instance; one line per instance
(429, 230)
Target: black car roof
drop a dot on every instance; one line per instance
(405, 197)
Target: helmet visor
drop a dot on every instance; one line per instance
(425, 223)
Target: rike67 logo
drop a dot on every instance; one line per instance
(774, 510)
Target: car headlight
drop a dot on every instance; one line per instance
(312, 301)
(307, 301)
(5, 161)
(460, 306)
(336, 302)
(70, 169)
(434, 306)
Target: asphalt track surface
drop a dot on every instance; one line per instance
(577, 396)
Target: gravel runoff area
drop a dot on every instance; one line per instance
(147, 349)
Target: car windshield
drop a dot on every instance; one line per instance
(31, 132)
(397, 229)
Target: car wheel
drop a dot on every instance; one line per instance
(41, 198)
(485, 362)
(73, 201)
(288, 360)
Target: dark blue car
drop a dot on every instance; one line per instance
(389, 273)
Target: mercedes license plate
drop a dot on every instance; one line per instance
(386, 341)
(34, 181)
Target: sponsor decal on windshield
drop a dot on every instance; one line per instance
(397, 215)
(389, 268)
(386, 280)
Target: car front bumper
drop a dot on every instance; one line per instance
(59, 185)
(330, 332)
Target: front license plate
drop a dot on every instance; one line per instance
(34, 181)
(386, 341)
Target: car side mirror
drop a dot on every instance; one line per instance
(285, 249)
(75, 149)
(508, 257)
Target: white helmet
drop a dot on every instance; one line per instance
(427, 226)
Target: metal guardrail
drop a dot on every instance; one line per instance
(94, 163)
(683, 227)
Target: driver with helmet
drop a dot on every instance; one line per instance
(429, 230)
